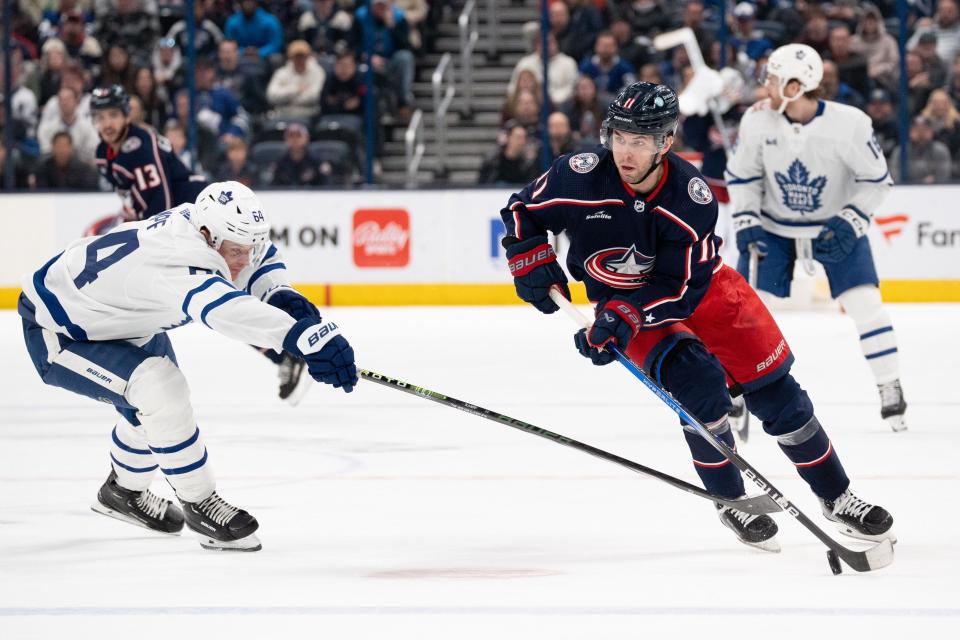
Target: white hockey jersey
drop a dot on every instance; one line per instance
(145, 277)
(797, 176)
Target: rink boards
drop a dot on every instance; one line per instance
(442, 246)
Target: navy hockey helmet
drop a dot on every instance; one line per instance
(112, 97)
(642, 107)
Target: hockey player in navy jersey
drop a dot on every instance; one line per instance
(640, 222)
(150, 178)
(95, 318)
(804, 181)
(138, 161)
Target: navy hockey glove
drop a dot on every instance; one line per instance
(328, 354)
(618, 322)
(839, 236)
(749, 232)
(296, 306)
(533, 265)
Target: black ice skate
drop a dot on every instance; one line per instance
(294, 379)
(756, 531)
(220, 525)
(739, 418)
(892, 405)
(858, 519)
(141, 508)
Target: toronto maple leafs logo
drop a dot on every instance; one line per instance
(619, 267)
(800, 193)
(225, 197)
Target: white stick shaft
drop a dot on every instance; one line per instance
(567, 307)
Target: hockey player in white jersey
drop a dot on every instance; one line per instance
(804, 181)
(95, 319)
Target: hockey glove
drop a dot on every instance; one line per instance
(328, 354)
(839, 236)
(749, 232)
(535, 271)
(618, 322)
(296, 306)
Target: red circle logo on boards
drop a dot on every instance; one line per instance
(381, 237)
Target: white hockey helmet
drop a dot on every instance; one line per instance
(798, 62)
(231, 211)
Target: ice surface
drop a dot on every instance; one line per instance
(385, 515)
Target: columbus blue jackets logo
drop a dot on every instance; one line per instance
(130, 145)
(699, 191)
(800, 193)
(619, 267)
(225, 197)
(584, 162)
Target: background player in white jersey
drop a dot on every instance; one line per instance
(804, 181)
(95, 319)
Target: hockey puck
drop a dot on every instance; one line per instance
(834, 561)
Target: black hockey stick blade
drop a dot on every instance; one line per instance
(756, 505)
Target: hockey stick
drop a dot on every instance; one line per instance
(755, 505)
(875, 557)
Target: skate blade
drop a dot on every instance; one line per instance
(299, 391)
(897, 423)
(771, 545)
(122, 517)
(250, 543)
(853, 533)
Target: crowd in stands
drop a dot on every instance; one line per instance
(598, 46)
(279, 84)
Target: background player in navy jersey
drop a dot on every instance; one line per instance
(640, 222)
(150, 178)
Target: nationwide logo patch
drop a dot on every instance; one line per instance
(619, 267)
(584, 162)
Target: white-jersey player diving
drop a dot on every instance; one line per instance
(804, 181)
(95, 319)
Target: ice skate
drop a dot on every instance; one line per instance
(756, 531)
(739, 419)
(220, 525)
(141, 508)
(858, 519)
(892, 405)
(294, 379)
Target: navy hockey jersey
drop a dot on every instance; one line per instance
(147, 174)
(658, 249)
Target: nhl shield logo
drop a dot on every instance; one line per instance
(225, 197)
(639, 206)
(699, 191)
(584, 162)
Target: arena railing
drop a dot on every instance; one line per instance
(443, 92)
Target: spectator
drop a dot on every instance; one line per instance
(294, 89)
(945, 26)
(633, 49)
(851, 66)
(559, 134)
(344, 90)
(837, 90)
(744, 34)
(816, 32)
(927, 50)
(207, 35)
(238, 165)
(298, 168)
(943, 116)
(81, 130)
(72, 77)
(136, 110)
(167, 64)
(382, 29)
(842, 12)
(207, 145)
(63, 170)
(218, 110)
(128, 26)
(880, 110)
(415, 12)
(526, 113)
(243, 77)
(692, 17)
(953, 88)
(563, 71)
(52, 62)
(584, 111)
(325, 25)
(878, 47)
(22, 179)
(646, 17)
(153, 97)
(928, 160)
(177, 135)
(80, 45)
(257, 31)
(650, 72)
(609, 71)
(526, 81)
(117, 69)
(23, 101)
(512, 162)
(575, 31)
(918, 83)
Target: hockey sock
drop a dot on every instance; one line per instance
(717, 473)
(877, 337)
(817, 462)
(131, 457)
